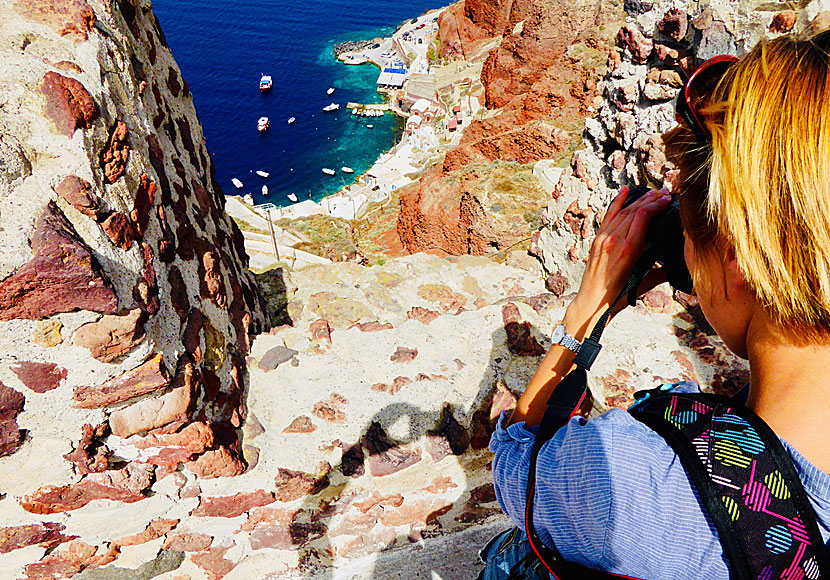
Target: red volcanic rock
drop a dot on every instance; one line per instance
(187, 542)
(233, 505)
(46, 535)
(112, 335)
(203, 198)
(63, 275)
(154, 530)
(119, 230)
(331, 410)
(301, 424)
(90, 455)
(783, 21)
(458, 34)
(187, 140)
(377, 499)
(174, 448)
(220, 462)
(178, 292)
(422, 511)
(373, 326)
(320, 330)
(519, 340)
(68, 103)
(448, 437)
(71, 18)
(115, 155)
(40, 377)
(65, 563)
(146, 292)
(291, 485)
(126, 485)
(193, 333)
(78, 192)
(557, 283)
(11, 404)
(287, 537)
(385, 455)
(173, 82)
(440, 485)
(213, 562)
(638, 45)
(674, 24)
(422, 314)
(68, 66)
(210, 278)
(443, 296)
(146, 378)
(403, 354)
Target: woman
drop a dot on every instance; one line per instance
(754, 191)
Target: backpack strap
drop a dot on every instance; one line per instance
(746, 480)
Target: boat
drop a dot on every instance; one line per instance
(236, 182)
(248, 198)
(330, 91)
(292, 197)
(262, 124)
(265, 83)
(262, 173)
(264, 190)
(328, 171)
(370, 126)
(331, 107)
(356, 60)
(291, 120)
(347, 170)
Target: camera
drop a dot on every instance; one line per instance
(665, 239)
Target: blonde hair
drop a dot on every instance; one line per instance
(768, 178)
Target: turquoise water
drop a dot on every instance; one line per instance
(223, 47)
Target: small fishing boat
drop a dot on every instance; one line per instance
(370, 126)
(331, 107)
(265, 83)
(330, 91)
(292, 197)
(248, 198)
(347, 169)
(264, 190)
(236, 182)
(328, 171)
(262, 173)
(291, 120)
(262, 124)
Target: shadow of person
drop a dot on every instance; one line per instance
(414, 473)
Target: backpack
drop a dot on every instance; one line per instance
(743, 475)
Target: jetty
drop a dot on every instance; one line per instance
(370, 107)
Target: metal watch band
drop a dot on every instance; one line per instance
(570, 343)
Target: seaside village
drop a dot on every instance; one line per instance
(438, 100)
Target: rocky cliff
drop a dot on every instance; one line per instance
(126, 305)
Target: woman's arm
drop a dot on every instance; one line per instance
(618, 245)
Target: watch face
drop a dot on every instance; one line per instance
(558, 334)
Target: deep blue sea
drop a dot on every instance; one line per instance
(224, 46)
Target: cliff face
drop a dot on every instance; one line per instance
(541, 77)
(125, 300)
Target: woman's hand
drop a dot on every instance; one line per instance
(618, 245)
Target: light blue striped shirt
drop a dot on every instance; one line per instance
(612, 495)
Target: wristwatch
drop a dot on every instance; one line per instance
(561, 337)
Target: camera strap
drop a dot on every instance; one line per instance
(563, 404)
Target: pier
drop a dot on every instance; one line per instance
(371, 107)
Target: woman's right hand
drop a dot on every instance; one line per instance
(619, 243)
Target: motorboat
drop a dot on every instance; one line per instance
(292, 197)
(262, 124)
(264, 190)
(248, 198)
(328, 171)
(262, 173)
(236, 182)
(291, 120)
(330, 91)
(265, 83)
(370, 126)
(331, 107)
(347, 170)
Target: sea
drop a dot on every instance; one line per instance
(224, 46)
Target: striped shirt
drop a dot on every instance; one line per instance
(612, 495)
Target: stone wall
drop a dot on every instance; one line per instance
(622, 138)
(125, 300)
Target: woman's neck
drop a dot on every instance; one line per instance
(790, 390)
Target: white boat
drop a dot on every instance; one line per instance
(262, 124)
(331, 107)
(264, 190)
(291, 120)
(328, 171)
(370, 126)
(347, 170)
(262, 173)
(248, 198)
(292, 197)
(265, 83)
(236, 182)
(330, 91)
(356, 59)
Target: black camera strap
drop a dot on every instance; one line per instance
(563, 404)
